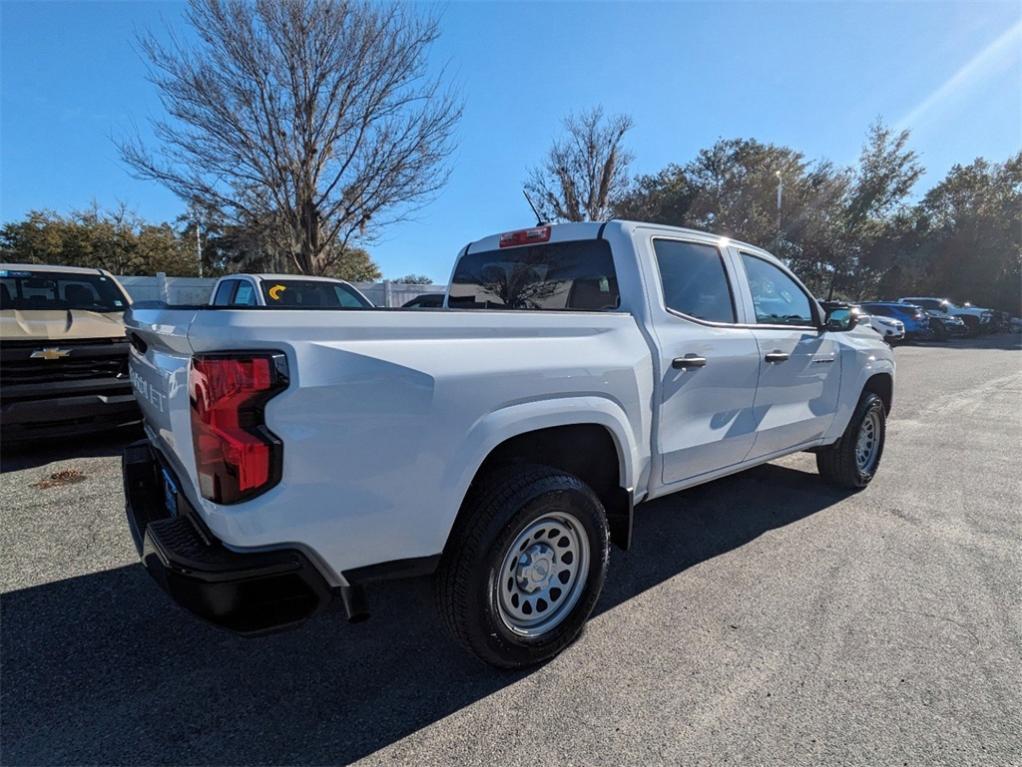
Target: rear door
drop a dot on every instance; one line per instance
(799, 367)
(708, 363)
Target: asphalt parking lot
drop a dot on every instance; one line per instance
(761, 619)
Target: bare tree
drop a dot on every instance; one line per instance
(586, 171)
(317, 114)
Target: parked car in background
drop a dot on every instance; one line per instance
(287, 290)
(891, 330)
(502, 445)
(943, 325)
(425, 301)
(914, 319)
(976, 320)
(63, 352)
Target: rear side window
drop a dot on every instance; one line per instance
(224, 293)
(777, 298)
(245, 295)
(694, 280)
(576, 275)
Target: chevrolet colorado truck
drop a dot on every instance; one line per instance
(499, 443)
(63, 352)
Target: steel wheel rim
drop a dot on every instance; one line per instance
(867, 445)
(543, 574)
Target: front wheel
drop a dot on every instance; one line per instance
(852, 461)
(525, 565)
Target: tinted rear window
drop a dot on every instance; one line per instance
(557, 276)
(312, 293)
(60, 290)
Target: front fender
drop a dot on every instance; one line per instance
(865, 363)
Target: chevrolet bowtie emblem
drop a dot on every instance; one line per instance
(49, 354)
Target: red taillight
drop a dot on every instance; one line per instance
(525, 236)
(236, 456)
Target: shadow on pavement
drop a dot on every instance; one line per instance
(29, 455)
(1004, 341)
(103, 668)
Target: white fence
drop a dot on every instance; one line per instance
(195, 290)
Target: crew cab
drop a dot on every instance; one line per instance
(499, 443)
(63, 352)
(287, 290)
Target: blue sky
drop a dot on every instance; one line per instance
(809, 75)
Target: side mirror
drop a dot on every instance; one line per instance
(840, 319)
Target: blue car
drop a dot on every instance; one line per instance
(915, 318)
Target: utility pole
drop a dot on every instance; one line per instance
(198, 247)
(780, 193)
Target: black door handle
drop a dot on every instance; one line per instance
(776, 356)
(689, 361)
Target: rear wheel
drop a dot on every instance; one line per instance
(525, 566)
(939, 331)
(852, 461)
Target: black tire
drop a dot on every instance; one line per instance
(939, 331)
(972, 323)
(838, 464)
(499, 508)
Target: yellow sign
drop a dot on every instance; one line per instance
(275, 291)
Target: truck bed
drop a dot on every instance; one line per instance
(386, 407)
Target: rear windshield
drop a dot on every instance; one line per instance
(60, 290)
(575, 275)
(312, 293)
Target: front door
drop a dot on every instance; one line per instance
(800, 369)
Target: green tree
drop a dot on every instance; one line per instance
(117, 240)
(972, 248)
(415, 279)
(731, 189)
(876, 216)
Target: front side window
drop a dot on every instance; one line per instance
(348, 298)
(778, 299)
(59, 290)
(694, 280)
(575, 275)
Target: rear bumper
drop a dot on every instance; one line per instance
(249, 593)
(73, 414)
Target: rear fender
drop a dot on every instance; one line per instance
(512, 421)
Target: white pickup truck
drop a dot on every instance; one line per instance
(499, 443)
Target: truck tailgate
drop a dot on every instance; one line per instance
(159, 361)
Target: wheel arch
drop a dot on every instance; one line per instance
(588, 437)
(881, 384)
